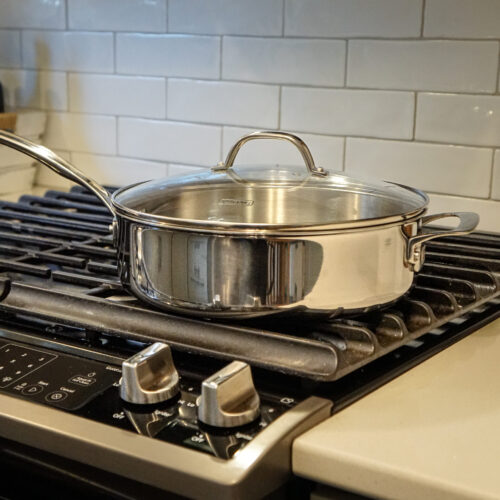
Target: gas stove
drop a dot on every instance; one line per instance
(236, 394)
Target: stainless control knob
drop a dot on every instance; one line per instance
(149, 376)
(228, 398)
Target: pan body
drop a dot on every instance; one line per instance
(240, 276)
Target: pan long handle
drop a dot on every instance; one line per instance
(415, 252)
(55, 163)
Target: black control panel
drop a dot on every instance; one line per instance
(60, 380)
(90, 389)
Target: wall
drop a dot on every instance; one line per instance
(406, 90)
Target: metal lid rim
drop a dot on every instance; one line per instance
(263, 228)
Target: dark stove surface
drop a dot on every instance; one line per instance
(58, 276)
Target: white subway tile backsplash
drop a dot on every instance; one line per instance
(226, 17)
(33, 14)
(10, 49)
(423, 65)
(168, 55)
(19, 88)
(169, 141)
(117, 95)
(462, 18)
(68, 51)
(495, 188)
(229, 103)
(11, 158)
(272, 60)
(459, 119)
(31, 124)
(351, 18)
(488, 210)
(118, 171)
(348, 112)
(175, 169)
(34, 89)
(142, 76)
(81, 132)
(53, 90)
(327, 151)
(431, 167)
(118, 15)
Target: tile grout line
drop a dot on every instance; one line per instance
(492, 173)
(497, 83)
(167, 15)
(280, 93)
(221, 55)
(21, 45)
(422, 22)
(68, 90)
(66, 12)
(344, 153)
(346, 55)
(221, 143)
(115, 66)
(415, 103)
(117, 133)
(465, 197)
(413, 38)
(305, 86)
(283, 17)
(166, 97)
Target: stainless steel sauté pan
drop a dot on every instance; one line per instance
(241, 242)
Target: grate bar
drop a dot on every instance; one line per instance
(287, 354)
(55, 221)
(62, 203)
(71, 215)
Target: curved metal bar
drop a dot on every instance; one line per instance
(56, 163)
(468, 222)
(270, 134)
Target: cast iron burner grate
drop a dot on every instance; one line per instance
(57, 264)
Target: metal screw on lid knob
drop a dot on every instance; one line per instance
(150, 376)
(228, 398)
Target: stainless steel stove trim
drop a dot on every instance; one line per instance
(256, 470)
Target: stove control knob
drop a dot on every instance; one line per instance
(228, 398)
(149, 376)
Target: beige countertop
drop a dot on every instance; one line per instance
(433, 433)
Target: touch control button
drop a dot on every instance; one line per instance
(56, 396)
(81, 380)
(31, 390)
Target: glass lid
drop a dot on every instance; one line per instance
(269, 197)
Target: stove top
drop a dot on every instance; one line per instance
(57, 260)
(64, 312)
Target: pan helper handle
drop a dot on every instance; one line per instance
(415, 248)
(56, 163)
